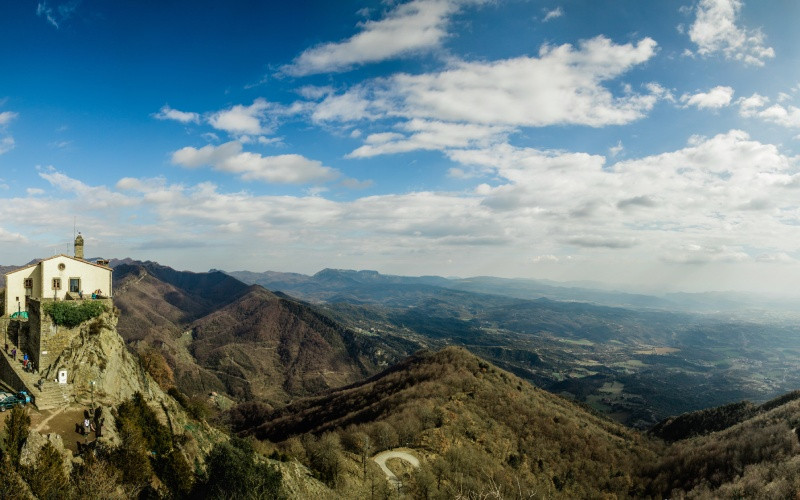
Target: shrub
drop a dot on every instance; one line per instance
(136, 413)
(158, 368)
(197, 406)
(72, 314)
(234, 472)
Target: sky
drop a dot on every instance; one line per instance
(649, 145)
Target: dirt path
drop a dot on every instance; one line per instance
(38, 427)
(62, 421)
(383, 456)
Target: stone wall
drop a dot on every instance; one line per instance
(15, 333)
(35, 326)
(46, 340)
(5, 323)
(9, 376)
(19, 333)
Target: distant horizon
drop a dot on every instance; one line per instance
(588, 284)
(648, 146)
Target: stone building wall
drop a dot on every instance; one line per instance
(46, 340)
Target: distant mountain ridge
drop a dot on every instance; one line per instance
(219, 334)
(325, 284)
(626, 361)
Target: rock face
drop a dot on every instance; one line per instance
(35, 442)
(98, 364)
(101, 368)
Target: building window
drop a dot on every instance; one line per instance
(61, 266)
(56, 283)
(74, 285)
(28, 282)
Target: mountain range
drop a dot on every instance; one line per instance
(496, 394)
(219, 334)
(636, 364)
(484, 432)
(329, 284)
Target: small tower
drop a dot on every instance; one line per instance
(79, 246)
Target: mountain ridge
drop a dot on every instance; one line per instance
(219, 334)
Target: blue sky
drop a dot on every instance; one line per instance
(651, 145)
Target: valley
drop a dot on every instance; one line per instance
(636, 365)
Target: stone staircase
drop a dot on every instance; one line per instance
(51, 395)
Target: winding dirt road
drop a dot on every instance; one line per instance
(383, 456)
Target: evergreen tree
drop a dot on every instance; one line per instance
(132, 459)
(47, 478)
(18, 424)
(233, 472)
(177, 474)
(12, 487)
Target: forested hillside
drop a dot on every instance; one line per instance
(479, 428)
(205, 332)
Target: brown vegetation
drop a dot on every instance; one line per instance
(215, 333)
(483, 430)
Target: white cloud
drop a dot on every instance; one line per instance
(429, 135)
(240, 120)
(267, 141)
(6, 144)
(754, 107)
(229, 157)
(715, 30)
(353, 105)
(704, 203)
(659, 91)
(315, 92)
(717, 200)
(694, 254)
(60, 14)
(545, 258)
(168, 113)
(553, 14)
(6, 141)
(616, 150)
(786, 116)
(410, 27)
(94, 197)
(207, 155)
(561, 86)
(748, 106)
(257, 119)
(718, 97)
(6, 117)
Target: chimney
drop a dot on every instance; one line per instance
(79, 246)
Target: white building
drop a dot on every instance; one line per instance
(57, 277)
